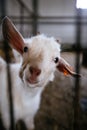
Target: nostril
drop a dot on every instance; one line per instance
(38, 72)
(31, 70)
(34, 71)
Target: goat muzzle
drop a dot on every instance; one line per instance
(35, 72)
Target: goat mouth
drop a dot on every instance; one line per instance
(32, 81)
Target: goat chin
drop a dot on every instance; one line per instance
(26, 99)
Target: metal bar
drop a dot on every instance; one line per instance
(29, 20)
(2, 8)
(49, 17)
(35, 17)
(48, 23)
(21, 19)
(26, 8)
(3, 12)
(77, 80)
(11, 112)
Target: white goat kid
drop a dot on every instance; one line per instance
(40, 59)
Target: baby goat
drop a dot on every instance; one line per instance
(40, 58)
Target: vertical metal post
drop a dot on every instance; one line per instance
(21, 18)
(77, 80)
(9, 84)
(6, 51)
(35, 16)
(3, 8)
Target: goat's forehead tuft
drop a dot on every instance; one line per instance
(42, 41)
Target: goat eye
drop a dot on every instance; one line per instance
(56, 60)
(25, 49)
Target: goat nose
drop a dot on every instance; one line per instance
(34, 71)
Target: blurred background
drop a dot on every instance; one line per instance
(64, 103)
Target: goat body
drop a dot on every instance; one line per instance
(25, 100)
(40, 58)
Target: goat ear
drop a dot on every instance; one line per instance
(11, 35)
(64, 67)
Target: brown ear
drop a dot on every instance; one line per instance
(64, 67)
(12, 36)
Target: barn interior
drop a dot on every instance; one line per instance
(64, 101)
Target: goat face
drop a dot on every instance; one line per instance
(41, 56)
(39, 60)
